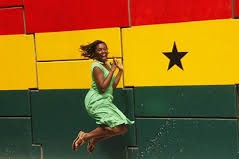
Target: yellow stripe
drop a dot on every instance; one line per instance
(17, 62)
(212, 57)
(65, 45)
(66, 75)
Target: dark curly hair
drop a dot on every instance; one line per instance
(90, 49)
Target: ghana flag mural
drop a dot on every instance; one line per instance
(179, 85)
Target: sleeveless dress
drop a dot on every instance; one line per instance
(100, 105)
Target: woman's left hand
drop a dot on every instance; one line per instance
(118, 64)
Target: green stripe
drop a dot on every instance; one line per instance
(14, 103)
(187, 139)
(58, 115)
(186, 101)
(15, 137)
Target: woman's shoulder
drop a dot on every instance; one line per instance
(96, 64)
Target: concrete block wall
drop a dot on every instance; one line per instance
(179, 84)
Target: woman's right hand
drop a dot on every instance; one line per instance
(113, 66)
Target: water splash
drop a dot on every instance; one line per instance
(158, 143)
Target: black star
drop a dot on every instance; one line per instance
(175, 57)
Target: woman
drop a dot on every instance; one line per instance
(98, 101)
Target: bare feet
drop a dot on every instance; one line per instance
(79, 141)
(91, 146)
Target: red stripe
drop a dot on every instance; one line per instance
(9, 3)
(236, 7)
(169, 11)
(11, 21)
(55, 15)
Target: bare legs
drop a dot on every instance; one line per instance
(92, 142)
(99, 134)
(104, 131)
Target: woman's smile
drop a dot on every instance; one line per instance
(102, 52)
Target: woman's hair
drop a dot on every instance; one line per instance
(90, 49)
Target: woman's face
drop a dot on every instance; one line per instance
(101, 52)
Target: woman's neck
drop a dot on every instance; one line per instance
(100, 62)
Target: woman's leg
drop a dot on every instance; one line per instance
(98, 134)
(94, 141)
(84, 137)
(104, 131)
(118, 130)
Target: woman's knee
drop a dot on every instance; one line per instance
(118, 130)
(125, 128)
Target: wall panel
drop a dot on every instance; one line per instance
(65, 45)
(236, 8)
(50, 16)
(186, 101)
(14, 103)
(17, 62)
(62, 113)
(7, 3)
(15, 137)
(144, 12)
(11, 21)
(190, 53)
(187, 138)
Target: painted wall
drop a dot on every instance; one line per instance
(179, 84)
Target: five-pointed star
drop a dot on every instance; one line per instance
(175, 57)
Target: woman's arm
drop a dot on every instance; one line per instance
(117, 78)
(119, 74)
(101, 82)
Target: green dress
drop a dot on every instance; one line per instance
(100, 106)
